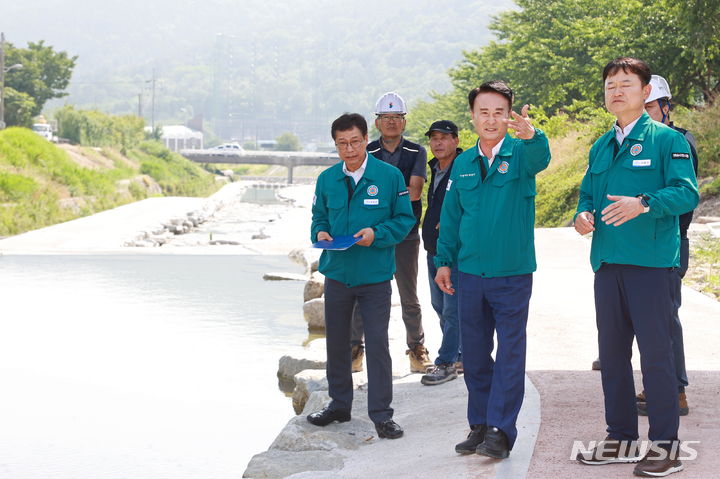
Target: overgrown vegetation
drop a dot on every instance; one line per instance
(705, 264)
(41, 185)
(176, 175)
(87, 127)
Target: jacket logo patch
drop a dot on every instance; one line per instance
(372, 201)
(404, 192)
(466, 175)
(680, 156)
(372, 190)
(646, 162)
(635, 149)
(448, 185)
(503, 168)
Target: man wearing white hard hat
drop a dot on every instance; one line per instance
(411, 159)
(657, 106)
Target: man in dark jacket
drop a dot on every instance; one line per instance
(411, 159)
(443, 140)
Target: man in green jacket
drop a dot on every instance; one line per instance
(487, 232)
(640, 178)
(365, 198)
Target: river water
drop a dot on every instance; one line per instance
(142, 366)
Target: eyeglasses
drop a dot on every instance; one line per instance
(344, 145)
(391, 118)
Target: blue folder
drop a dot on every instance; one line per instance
(339, 243)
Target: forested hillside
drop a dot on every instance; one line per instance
(252, 67)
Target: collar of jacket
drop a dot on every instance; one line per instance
(505, 150)
(371, 169)
(638, 131)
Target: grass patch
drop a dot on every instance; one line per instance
(176, 175)
(704, 269)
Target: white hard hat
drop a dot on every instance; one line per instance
(660, 89)
(390, 102)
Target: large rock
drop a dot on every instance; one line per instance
(281, 276)
(290, 365)
(314, 265)
(314, 288)
(298, 256)
(276, 464)
(300, 435)
(314, 312)
(307, 382)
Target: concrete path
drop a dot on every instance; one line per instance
(563, 396)
(562, 343)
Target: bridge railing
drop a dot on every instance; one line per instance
(289, 159)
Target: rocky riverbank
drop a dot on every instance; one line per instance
(242, 218)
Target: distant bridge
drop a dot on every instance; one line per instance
(288, 159)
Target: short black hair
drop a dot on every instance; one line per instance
(347, 121)
(495, 86)
(628, 65)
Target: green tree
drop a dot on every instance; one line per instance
(19, 107)
(288, 142)
(45, 75)
(552, 52)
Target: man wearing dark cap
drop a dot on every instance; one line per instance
(443, 141)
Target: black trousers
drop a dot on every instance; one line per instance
(373, 301)
(406, 272)
(635, 301)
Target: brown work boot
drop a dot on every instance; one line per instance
(358, 353)
(684, 408)
(459, 367)
(658, 463)
(641, 402)
(419, 359)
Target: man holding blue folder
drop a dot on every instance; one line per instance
(366, 199)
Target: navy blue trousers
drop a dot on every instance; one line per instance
(373, 300)
(495, 388)
(635, 302)
(676, 333)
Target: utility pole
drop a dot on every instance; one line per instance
(152, 118)
(2, 80)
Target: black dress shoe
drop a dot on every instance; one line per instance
(389, 429)
(474, 439)
(327, 415)
(495, 444)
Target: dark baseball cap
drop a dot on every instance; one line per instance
(443, 126)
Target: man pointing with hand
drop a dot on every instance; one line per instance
(487, 232)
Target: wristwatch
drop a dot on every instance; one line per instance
(644, 201)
